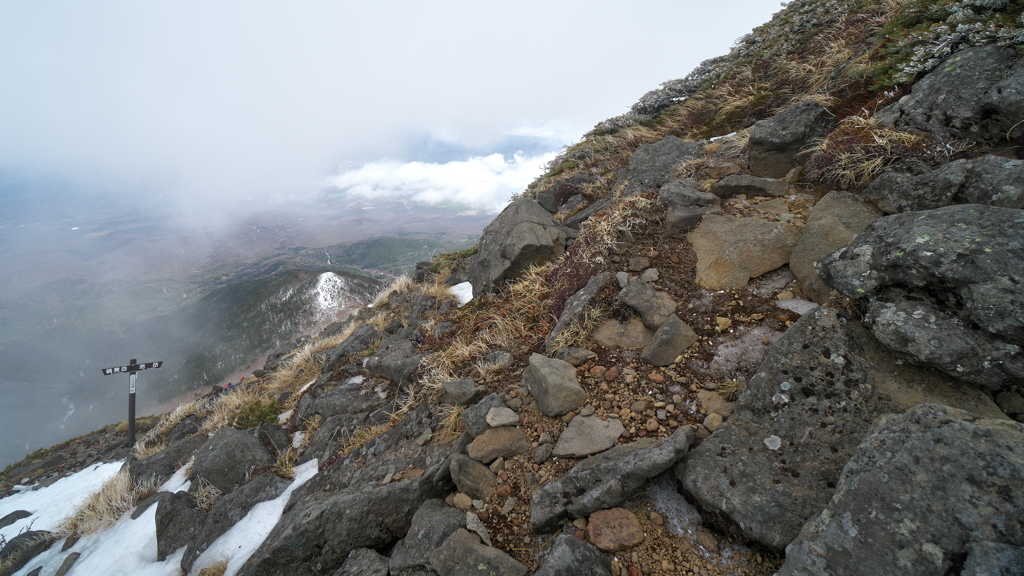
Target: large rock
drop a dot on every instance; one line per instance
(571, 556)
(364, 562)
(352, 397)
(918, 496)
(750, 185)
(160, 466)
(655, 307)
(990, 180)
(471, 477)
(671, 340)
(228, 458)
(605, 480)
(631, 334)
(775, 462)
(396, 359)
(588, 435)
(554, 384)
(575, 307)
(432, 524)
(776, 142)
(831, 224)
(969, 259)
(731, 250)
(650, 167)
(976, 94)
(500, 442)
(347, 506)
(18, 551)
(358, 341)
(177, 518)
(686, 205)
(462, 554)
(523, 235)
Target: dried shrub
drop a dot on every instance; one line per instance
(117, 495)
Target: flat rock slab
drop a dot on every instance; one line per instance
(650, 167)
(462, 554)
(730, 250)
(614, 530)
(915, 495)
(588, 435)
(501, 442)
(654, 306)
(554, 385)
(571, 556)
(671, 340)
(228, 457)
(471, 477)
(776, 461)
(432, 524)
(749, 185)
(630, 335)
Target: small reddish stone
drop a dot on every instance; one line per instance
(652, 253)
(656, 377)
(614, 530)
(505, 490)
(503, 475)
(674, 259)
(579, 534)
(634, 571)
(598, 371)
(450, 499)
(539, 428)
(612, 373)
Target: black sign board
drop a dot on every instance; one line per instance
(131, 369)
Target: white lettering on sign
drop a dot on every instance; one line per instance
(131, 383)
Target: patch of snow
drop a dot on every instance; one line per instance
(179, 480)
(51, 504)
(284, 416)
(356, 379)
(798, 305)
(464, 292)
(298, 438)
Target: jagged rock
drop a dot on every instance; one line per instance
(523, 235)
(991, 559)
(163, 464)
(350, 398)
(554, 385)
(34, 467)
(462, 554)
(471, 477)
(599, 205)
(776, 142)
(571, 556)
(915, 494)
(975, 94)
(18, 551)
(674, 337)
(575, 307)
(273, 437)
(499, 359)
(228, 458)
(475, 417)
(831, 224)
(588, 435)
(605, 480)
(228, 510)
(502, 416)
(650, 167)
(330, 435)
(14, 517)
(358, 341)
(364, 562)
(968, 258)
(990, 180)
(749, 185)
(432, 524)
(614, 530)
(347, 506)
(396, 359)
(463, 392)
(495, 443)
(655, 307)
(558, 194)
(630, 334)
(686, 205)
(274, 358)
(775, 462)
(187, 427)
(1011, 403)
(730, 250)
(573, 355)
(67, 564)
(177, 518)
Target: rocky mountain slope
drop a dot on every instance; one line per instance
(770, 321)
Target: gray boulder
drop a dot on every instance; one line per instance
(730, 250)
(575, 307)
(432, 524)
(831, 224)
(990, 180)
(364, 562)
(654, 306)
(463, 392)
(472, 477)
(523, 235)
(651, 165)
(598, 206)
(177, 518)
(160, 466)
(19, 550)
(991, 559)
(573, 355)
(976, 94)
(13, 517)
(605, 480)
(348, 398)
(475, 417)
(571, 556)
(329, 437)
(750, 185)
(776, 142)
(588, 435)
(686, 205)
(358, 341)
(554, 385)
(917, 496)
(462, 554)
(776, 461)
(228, 458)
(671, 340)
(396, 359)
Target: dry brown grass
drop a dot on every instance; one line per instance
(401, 284)
(449, 431)
(217, 569)
(361, 437)
(115, 497)
(154, 440)
(579, 330)
(730, 389)
(206, 494)
(225, 405)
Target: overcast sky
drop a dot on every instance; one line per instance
(243, 99)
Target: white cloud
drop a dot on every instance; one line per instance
(483, 182)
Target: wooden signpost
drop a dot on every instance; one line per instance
(131, 369)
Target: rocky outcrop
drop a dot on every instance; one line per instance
(671, 340)
(364, 562)
(554, 385)
(990, 180)
(776, 461)
(924, 493)
(686, 205)
(462, 554)
(961, 269)
(177, 516)
(228, 458)
(588, 435)
(736, 184)
(605, 480)
(776, 142)
(831, 224)
(18, 551)
(654, 306)
(976, 94)
(650, 167)
(160, 466)
(431, 525)
(523, 235)
(359, 340)
(731, 250)
(575, 307)
(571, 556)
(396, 358)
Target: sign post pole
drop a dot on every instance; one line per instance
(132, 369)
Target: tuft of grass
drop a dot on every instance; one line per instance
(253, 414)
(153, 441)
(579, 330)
(449, 431)
(361, 437)
(401, 284)
(117, 496)
(206, 494)
(217, 569)
(730, 389)
(226, 407)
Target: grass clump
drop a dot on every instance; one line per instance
(217, 569)
(254, 413)
(118, 495)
